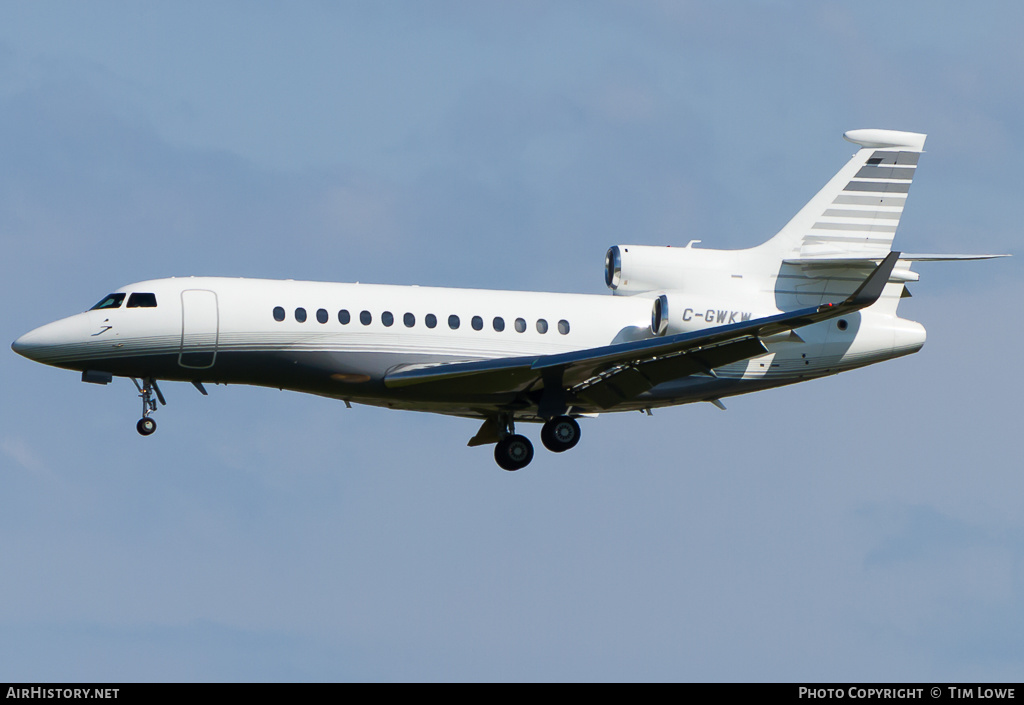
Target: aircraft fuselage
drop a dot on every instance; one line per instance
(341, 340)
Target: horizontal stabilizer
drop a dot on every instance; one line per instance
(946, 258)
(873, 261)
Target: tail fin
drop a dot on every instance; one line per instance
(856, 214)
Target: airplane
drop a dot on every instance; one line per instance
(683, 324)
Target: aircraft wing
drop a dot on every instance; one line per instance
(609, 375)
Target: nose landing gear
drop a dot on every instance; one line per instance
(146, 426)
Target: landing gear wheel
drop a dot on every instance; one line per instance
(147, 388)
(513, 452)
(560, 434)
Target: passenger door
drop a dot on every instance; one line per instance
(199, 328)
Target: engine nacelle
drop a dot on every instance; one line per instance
(675, 312)
(631, 269)
(691, 289)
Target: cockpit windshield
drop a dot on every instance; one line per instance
(109, 301)
(139, 300)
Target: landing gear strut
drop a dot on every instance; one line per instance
(147, 388)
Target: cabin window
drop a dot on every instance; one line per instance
(542, 325)
(365, 317)
(139, 300)
(563, 327)
(431, 320)
(842, 324)
(478, 323)
(409, 320)
(109, 301)
(520, 325)
(498, 323)
(322, 316)
(278, 313)
(344, 317)
(387, 318)
(300, 315)
(453, 322)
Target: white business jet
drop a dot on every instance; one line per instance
(683, 324)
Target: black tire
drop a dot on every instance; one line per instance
(513, 452)
(146, 426)
(560, 434)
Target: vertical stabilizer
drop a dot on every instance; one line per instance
(856, 214)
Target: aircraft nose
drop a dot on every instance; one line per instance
(20, 346)
(31, 345)
(46, 342)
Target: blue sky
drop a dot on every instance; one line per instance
(863, 527)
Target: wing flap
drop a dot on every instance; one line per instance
(507, 374)
(616, 386)
(703, 360)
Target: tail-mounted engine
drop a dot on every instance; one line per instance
(678, 312)
(632, 269)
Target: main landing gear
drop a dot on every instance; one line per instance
(146, 426)
(514, 452)
(560, 434)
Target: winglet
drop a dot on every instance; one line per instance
(869, 291)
